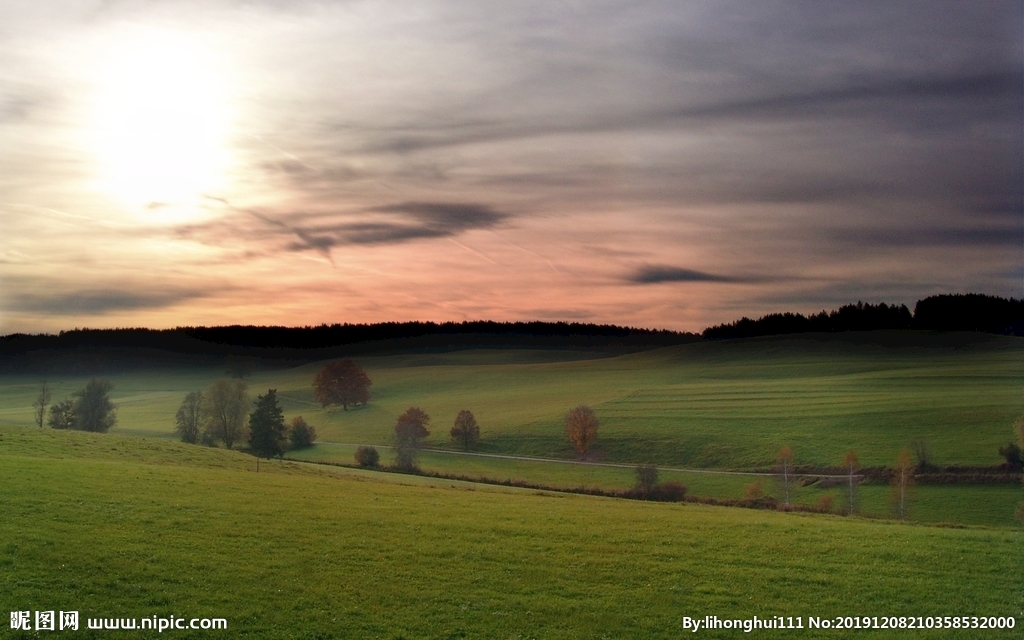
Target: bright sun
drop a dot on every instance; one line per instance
(161, 123)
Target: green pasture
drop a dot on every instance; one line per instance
(992, 505)
(115, 526)
(725, 405)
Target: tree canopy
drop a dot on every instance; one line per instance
(342, 382)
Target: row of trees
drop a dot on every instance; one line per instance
(221, 414)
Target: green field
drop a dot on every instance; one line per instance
(115, 526)
(709, 405)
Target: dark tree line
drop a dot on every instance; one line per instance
(970, 312)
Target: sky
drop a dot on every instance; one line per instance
(653, 164)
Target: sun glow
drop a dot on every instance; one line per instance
(161, 124)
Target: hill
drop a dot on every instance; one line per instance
(294, 552)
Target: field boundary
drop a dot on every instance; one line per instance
(615, 465)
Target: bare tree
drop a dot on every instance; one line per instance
(189, 419)
(784, 469)
(40, 403)
(852, 465)
(225, 410)
(902, 479)
(466, 430)
(581, 428)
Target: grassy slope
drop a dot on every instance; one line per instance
(725, 405)
(100, 525)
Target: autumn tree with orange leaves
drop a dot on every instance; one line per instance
(342, 382)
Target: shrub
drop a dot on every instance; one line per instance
(824, 504)
(753, 491)
(367, 457)
(302, 435)
(1012, 453)
(667, 492)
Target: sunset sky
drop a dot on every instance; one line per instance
(657, 164)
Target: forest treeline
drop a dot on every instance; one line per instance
(954, 312)
(93, 350)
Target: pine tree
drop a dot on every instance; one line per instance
(267, 431)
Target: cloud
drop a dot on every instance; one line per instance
(96, 301)
(389, 224)
(657, 274)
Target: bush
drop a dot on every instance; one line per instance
(367, 457)
(753, 491)
(1012, 453)
(824, 504)
(302, 435)
(667, 492)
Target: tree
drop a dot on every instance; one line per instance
(267, 432)
(784, 469)
(189, 419)
(301, 434)
(410, 430)
(466, 430)
(902, 479)
(851, 464)
(646, 479)
(581, 428)
(367, 457)
(40, 403)
(225, 405)
(93, 409)
(62, 415)
(342, 382)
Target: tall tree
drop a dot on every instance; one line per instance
(225, 408)
(410, 430)
(93, 409)
(784, 469)
(581, 428)
(342, 382)
(40, 403)
(902, 479)
(466, 430)
(268, 435)
(189, 419)
(851, 464)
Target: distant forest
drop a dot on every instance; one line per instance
(958, 312)
(93, 350)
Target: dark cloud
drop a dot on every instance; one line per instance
(96, 301)
(923, 236)
(388, 224)
(656, 274)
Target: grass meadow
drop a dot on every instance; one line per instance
(710, 405)
(117, 526)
